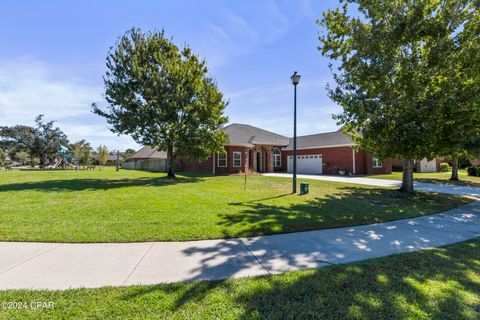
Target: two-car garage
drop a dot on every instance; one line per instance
(310, 163)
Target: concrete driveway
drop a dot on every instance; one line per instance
(433, 187)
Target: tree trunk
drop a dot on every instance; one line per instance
(407, 178)
(43, 159)
(454, 176)
(170, 163)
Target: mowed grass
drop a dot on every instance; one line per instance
(434, 177)
(126, 206)
(442, 283)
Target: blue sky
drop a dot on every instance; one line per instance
(52, 59)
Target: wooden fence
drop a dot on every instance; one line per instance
(156, 165)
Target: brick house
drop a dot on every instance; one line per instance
(249, 148)
(423, 165)
(258, 150)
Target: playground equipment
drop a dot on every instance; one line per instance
(62, 159)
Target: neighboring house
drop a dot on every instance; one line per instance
(423, 165)
(147, 158)
(257, 150)
(112, 158)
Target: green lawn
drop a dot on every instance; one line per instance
(442, 283)
(434, 177)
(106, 206)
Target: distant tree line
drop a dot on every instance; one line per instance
(39, 145)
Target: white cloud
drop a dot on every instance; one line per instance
(29, 87)
(231, 34)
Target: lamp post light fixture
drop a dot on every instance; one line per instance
(295, 80)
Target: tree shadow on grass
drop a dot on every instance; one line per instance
(95, 184)
(351, 206)
(459, 183)
(436, 284)
(432, 284)
(379, 289)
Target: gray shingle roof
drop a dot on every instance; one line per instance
(246, 135)
(149, 153)
(327, 139)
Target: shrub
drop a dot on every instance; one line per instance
(474, 171)
(471, 171)
(444, 167)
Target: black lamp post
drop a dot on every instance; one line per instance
(295, 80)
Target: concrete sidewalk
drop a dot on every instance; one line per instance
(433, 187)
(63, 266)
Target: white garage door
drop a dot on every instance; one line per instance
(311, 163)
(428, 166)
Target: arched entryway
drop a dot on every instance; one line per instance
(258, 159)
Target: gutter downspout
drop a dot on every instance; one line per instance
(213, 162)
(353, 160)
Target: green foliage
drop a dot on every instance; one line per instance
(474, 171)
(163, 96)
(444, 167)
(82, 152)
(398, 66)
(102, 153)
(128, 153)
(35, 161)
(3, 158)
(21, 157)
(42, 141)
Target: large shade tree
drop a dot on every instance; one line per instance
(163, 96)
(460, 84)
(42, 140)
(388, 70)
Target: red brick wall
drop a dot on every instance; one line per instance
(341, 158)
(230, 150)
(334, 158)
(206, 166)
(337, 158)
(200, 166)
(385, 169)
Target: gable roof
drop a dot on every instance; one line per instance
(321, 140)
(246, 135)
(149, 153)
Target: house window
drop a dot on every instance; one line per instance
(277, 157)
(237, 159)
(377, 163)
(222, 159)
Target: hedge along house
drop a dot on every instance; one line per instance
(258, 150)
